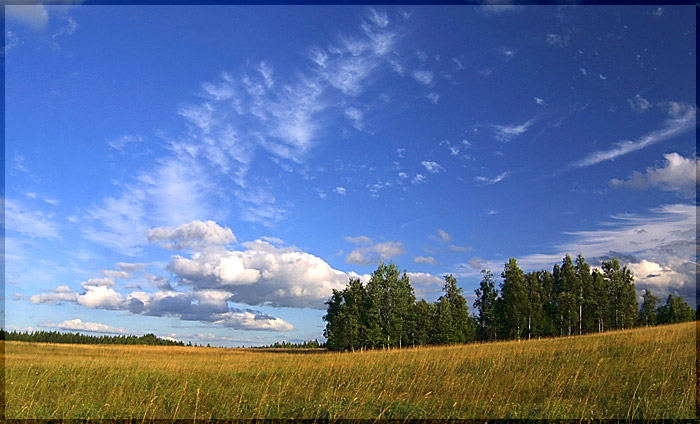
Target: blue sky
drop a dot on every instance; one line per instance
(210, 174)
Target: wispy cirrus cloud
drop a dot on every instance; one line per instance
(498, 178)
(682, 118)
(509, 132)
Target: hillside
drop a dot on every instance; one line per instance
(640, 373)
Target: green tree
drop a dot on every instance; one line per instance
(514, 301)
(389, 304)
(647, 312)
(454, 325)
(623, 298)
(485, 303)
(424, 313)
(675, 310)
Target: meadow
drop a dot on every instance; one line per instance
(643, 373)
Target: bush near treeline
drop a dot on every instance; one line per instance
(572, 299)
(77, 338)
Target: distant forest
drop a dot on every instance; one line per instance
(58, 337)
(572, 299)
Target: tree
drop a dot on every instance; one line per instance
(423, 332)
(389, 304)
(569, 288)
(623, 298)
(514, 301)
(485, 303)
(535, 300)
(647, 313)
(675, 310)
(454, 325)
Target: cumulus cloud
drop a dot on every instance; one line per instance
(424, 260)
(192, 235)
(359, 240)
(677, 174)
(376, 253)
(639, 103)
(432, 166)
(426, 286)
(78, 325)
(340, 190)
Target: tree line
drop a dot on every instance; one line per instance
(78, 338)
(572, 299)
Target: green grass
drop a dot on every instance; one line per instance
(642, 373)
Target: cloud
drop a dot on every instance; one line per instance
(120, 143)
(191, 235)
(682, 118)
(69, 29)
(27, 221)
(477, 263)
(456, 248)
(639, 103)
(539, 101)
(419, 178)
(433, 97)
(359, 240)
(678, 174)
(442, 236)
(424, 260)
(35, 16)
(556, 40)
(665, 238)
(494, 180)
(509, 132)
(426, 286)
(375, 254)
(432, 166)
(340, 190)
(130, 267)
(423, 77)
(354, 115)
(78, 325)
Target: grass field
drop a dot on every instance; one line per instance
(641, 373)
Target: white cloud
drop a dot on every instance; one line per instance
(69, 29)
(509, 132)
(660, 246)
(678, 174)
(424, 260)
(116, 274)
(423, 77)
(191, 235)
(639, 103)
(419, 178)
(359, 240)
(433, 97)
(340, 190)
(442, 236)
(354, 115)
(29, 222)
(375, 254)
(682, 119)
(458, 63)
(556, 40)
(539, 101)
(583, 71)
(494, 180)
(78, 325)
(36, 16)
(432, 166)
(427, 286)
(120, 143)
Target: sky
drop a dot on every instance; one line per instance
(211, 173)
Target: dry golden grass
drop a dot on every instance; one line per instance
(642, 373)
